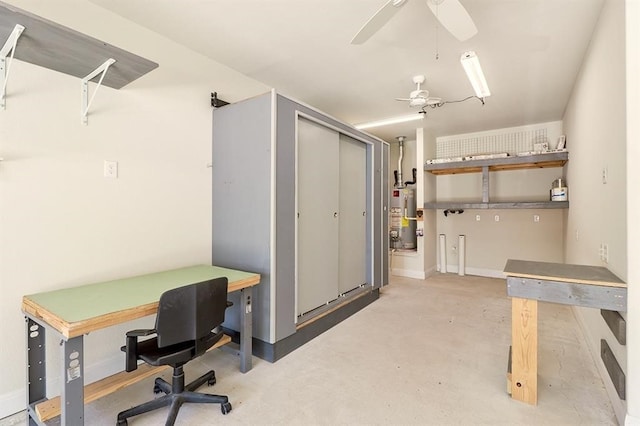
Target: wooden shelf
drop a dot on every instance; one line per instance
(534, 161)
(498, 205)
(484, 166)
(51, 45)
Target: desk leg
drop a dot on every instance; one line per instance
(72, 393)
(524, 354)
(36, 367)
(246, 334)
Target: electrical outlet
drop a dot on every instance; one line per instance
(536, 218)
(111, 169)
(477, 218)
(496, 218)
(605, 175)
(603, 252)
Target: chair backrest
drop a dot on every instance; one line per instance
(191, 312)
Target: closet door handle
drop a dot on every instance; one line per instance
(335, 214)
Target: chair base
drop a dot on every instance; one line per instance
(177, 394)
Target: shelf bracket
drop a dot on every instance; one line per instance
(9, 46)
(85, 102)
(485, 184)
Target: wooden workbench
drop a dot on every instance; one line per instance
(73, 312)
(529, 282)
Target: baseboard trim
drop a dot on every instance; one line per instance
(630, 420)
(409, 273)
(479, 272)
(13, 402)
(16, 401)
(431, 271)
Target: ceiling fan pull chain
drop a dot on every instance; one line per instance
(437, 25)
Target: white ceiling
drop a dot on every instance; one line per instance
(530, 51)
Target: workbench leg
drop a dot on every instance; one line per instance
(72, 392)
(36, 367)
(524, 353)
(246, 333)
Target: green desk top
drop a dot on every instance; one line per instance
(71, 305)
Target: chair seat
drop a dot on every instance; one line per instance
(149, 352)
(183, 331)
(180, 353)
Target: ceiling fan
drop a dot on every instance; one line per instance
(450, 13)
(420, 97)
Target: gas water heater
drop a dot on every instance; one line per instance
(402, 209)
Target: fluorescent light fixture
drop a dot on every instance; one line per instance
(471, 66)
(388, 121)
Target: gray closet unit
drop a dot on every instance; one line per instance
(300, 198)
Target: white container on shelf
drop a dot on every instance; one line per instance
(559, 190)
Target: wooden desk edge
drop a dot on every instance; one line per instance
(70, 330)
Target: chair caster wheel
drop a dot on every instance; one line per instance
(156, 389)
(226, 408)
(211, 381)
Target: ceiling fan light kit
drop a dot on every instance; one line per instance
(420, 97)
(471, 65)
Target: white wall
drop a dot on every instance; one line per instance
(595, 128)
(490, 243)
(61, 222)
(633, 208)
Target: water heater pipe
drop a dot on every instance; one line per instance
(412, 182)
(400, 157)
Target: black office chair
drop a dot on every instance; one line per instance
(187, 325)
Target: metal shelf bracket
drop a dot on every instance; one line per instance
(9, 46)
(85, 102)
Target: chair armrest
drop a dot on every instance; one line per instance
(141, 332)
(229, 304)
(131, 348)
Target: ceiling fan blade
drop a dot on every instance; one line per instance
(403, 99)
(454, 17)
(377, 21)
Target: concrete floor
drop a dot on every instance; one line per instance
(428, 352)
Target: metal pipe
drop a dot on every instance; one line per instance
(412, 182)
(400, 157)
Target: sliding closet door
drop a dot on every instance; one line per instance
(353, 214)
(318, 215)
